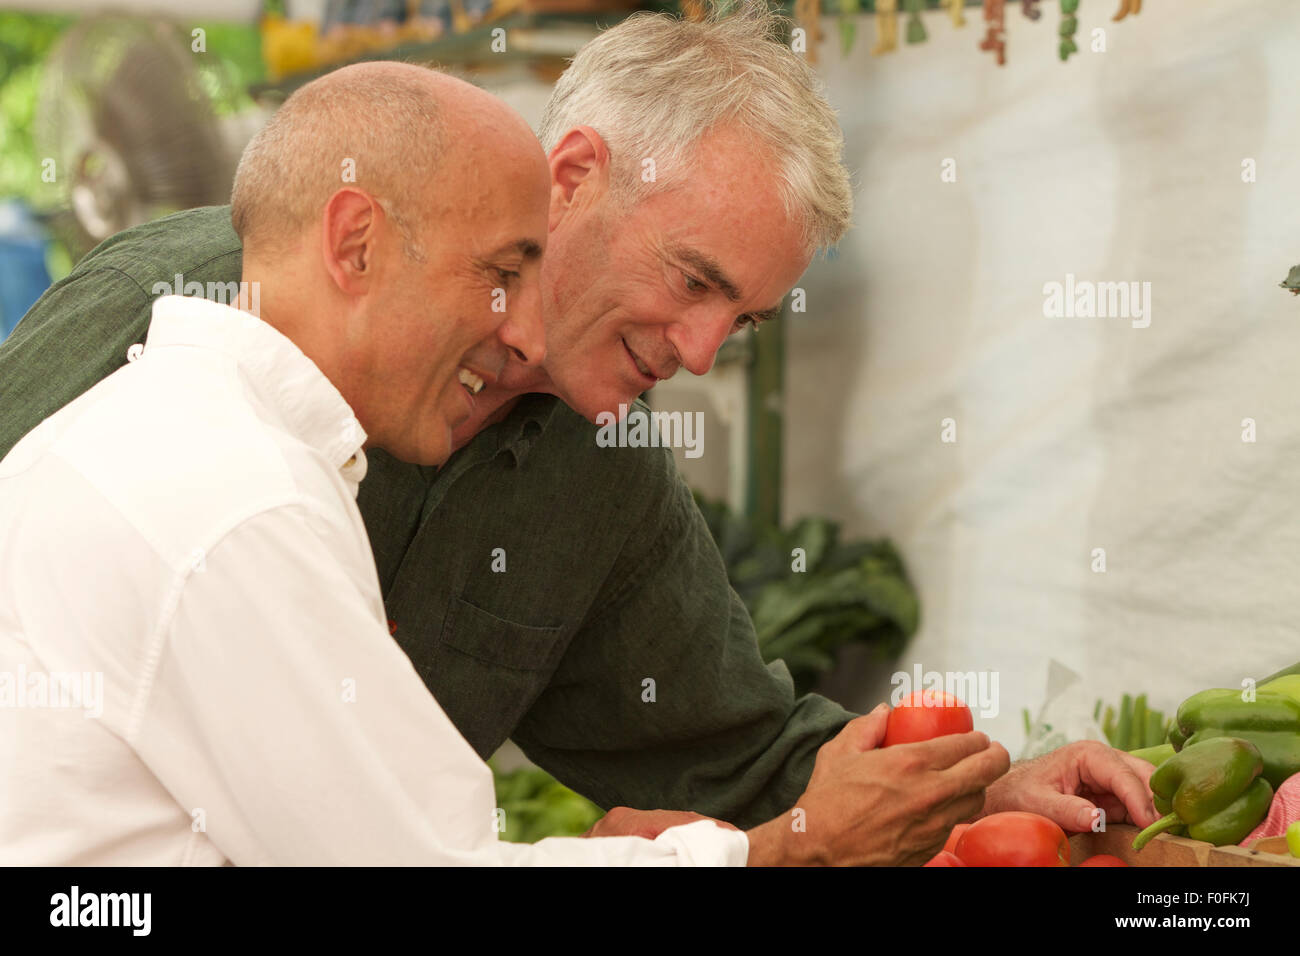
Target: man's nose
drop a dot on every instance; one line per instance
(697, 338)
(522, 331)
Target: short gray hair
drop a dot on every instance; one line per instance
(386, 123)
(653, 85)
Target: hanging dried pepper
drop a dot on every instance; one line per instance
(886, 27)
(995, 34)
(1126, 7)
(808, 14)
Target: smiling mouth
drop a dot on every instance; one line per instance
(640, 365)
(471, 382)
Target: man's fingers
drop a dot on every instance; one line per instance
(979, 770)
(1106, 770)
(951, 749)
(1072, 813)
(1116, 812)
(1143, 768)
(964, 784)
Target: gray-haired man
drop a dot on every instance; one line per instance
(695, 168)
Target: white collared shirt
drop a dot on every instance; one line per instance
(182, 561)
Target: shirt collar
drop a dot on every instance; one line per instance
(281, 375)
(525, 423)
(514, 435)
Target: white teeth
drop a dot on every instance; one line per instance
(470, 381)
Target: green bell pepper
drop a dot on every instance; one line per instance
(1162, 807)
(1210, 787)
(1279, 748)
(1232, 824)
(1223, 707)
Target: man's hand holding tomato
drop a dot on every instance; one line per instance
(873, 801)
(879, 797)
(1066, 786)
(866, 804)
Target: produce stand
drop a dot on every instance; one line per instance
(1168, 850)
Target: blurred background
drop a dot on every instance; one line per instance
(1083, 506)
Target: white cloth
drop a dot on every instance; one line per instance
(186, 534)
(1072, 434)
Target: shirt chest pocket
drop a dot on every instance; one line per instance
(494, 640)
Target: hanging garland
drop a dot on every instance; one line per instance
(808, 12)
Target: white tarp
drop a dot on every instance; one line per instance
(1073, 434)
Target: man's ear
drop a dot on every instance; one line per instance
(350, 225)
(579, 172)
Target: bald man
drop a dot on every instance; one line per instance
(186, 587)
(538, 579)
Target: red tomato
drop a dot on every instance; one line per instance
(924, 715)
(944, 858)
(955, 835)
(1014, 838)
(1103, 859)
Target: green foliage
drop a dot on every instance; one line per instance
(537, 805)
(848, 591)
(25, 39)
(239, 48)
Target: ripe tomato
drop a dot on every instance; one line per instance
(955, 835)
(1014, 838)
(1103, 859)
(926, 714)
(944, 858)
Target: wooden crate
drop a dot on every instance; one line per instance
(1167, 850)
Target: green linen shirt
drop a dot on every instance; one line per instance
(610, 575)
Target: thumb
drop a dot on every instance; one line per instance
(1073, 814)
(868, 732)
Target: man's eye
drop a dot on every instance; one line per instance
(506, 275)
(693, 284)
(745, 320)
